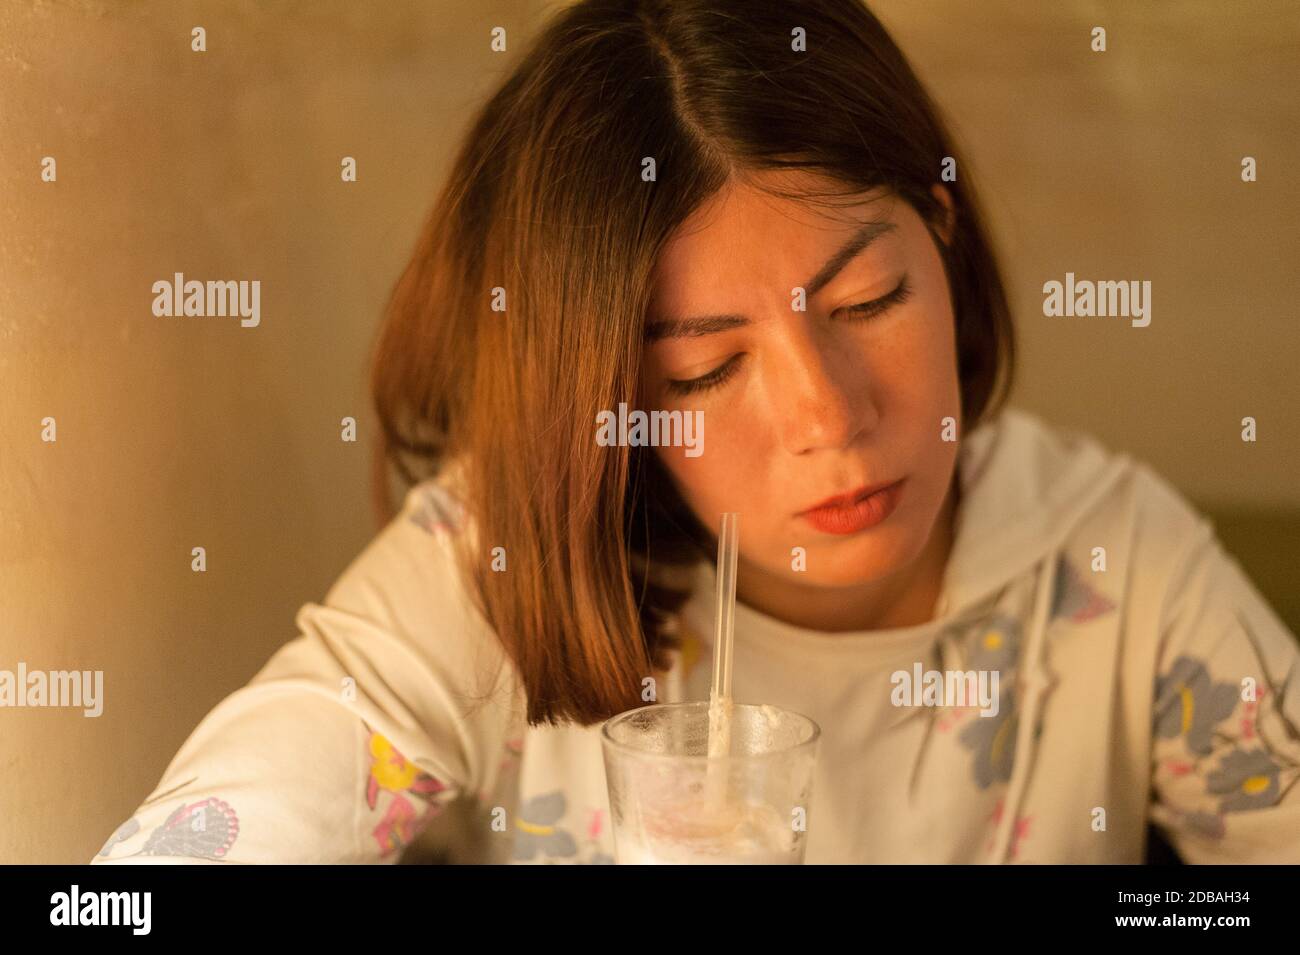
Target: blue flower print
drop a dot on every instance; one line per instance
(536, 830)
(1190, 704)
(993, 738)
(994, 644)
(1247, 780)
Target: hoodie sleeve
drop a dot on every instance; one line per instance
(355, 734)
(1226, 720)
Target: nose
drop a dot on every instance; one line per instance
(820, 392)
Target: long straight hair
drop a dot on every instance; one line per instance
(546, 213)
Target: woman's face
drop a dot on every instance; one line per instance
(802, 406)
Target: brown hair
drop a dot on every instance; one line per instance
(546, 200)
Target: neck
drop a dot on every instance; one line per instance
(905, 598)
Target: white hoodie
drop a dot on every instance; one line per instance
(1141, 677)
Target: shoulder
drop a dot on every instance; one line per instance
(405, 595)
(412, 559)
(1029, 484)
(1107, 488)
(1123, 514)
(1052, 485)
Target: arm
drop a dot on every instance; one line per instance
(1226, 720)
(281, 775)
(353, 737)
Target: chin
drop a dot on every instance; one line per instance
(860, 558)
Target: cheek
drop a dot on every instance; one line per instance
(933, 394)
(714, 481)
(917, 365)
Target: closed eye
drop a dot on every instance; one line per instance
(857, 313)
(713, 379)
(865, 310)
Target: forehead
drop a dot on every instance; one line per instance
(746, 238)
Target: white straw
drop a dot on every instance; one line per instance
(723, 642)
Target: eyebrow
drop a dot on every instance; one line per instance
(711, 324)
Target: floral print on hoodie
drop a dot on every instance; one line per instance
(1195, 711)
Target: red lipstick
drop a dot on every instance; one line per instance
(855, 511)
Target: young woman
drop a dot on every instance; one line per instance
(749, 213)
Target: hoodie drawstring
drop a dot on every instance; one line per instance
(1032, 685)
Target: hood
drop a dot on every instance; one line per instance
(1025, 486)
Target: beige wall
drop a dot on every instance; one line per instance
(1126, 165)
(177, 433)
(174, 433)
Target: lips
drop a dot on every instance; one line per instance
(855, 511)
(845, 500)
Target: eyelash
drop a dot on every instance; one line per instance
(867, 310)
(861, 312)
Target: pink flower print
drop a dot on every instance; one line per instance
(514, 748)
(437, 510)
(1019, 832)
(203, 830)
(1074, 599)
(392, 772)
(399, 826)
(948, 717)
(1250, 713)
